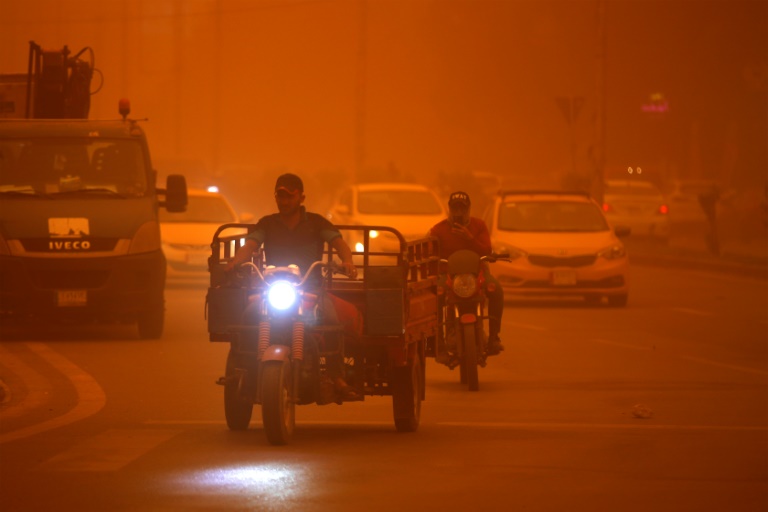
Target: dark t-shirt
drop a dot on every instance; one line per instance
(302, 245)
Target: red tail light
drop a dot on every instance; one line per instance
(663, 209)
(607, 208)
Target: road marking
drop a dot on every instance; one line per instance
(37, 386)
(620, 344)
(258, 424)
(700, 360)
(108, 451)
(90, 396)
(600, 426)
(692, 311)
(745, 369)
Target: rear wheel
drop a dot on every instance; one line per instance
(469, 359)
(406, 396)
(237, 407)
(278, 412)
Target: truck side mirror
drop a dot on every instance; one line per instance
(175, 193)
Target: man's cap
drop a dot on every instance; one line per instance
(290, 183)
(459, 198)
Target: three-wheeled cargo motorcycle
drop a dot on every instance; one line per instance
(286, 354)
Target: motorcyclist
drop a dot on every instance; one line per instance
(461, 231)
(296, 236)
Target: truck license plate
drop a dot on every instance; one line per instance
(72, 298)
(563, 278)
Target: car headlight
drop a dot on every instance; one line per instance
(613, 252)
(464, 285)
(281, 295)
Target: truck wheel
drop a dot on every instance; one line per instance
(237, 408)
(406, 396)
(278, 412)
(469, 360)
(151, 322)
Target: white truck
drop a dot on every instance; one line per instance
(79, 230)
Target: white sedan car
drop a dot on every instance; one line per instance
(639, 205)
(560, 245)
(410, 208)
(186, 236)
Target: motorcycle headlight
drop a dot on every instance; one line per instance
(464, 285)
(281, 295)
(613, 252)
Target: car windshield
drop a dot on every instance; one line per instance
(109, 167)
(200, 209)
(630, 189)
(549, 216)
(397, 202)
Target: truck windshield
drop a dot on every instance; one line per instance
(112, 167)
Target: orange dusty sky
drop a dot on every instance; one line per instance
(239, 90)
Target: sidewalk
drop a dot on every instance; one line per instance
(689, 250)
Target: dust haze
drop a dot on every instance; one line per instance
(239, 91)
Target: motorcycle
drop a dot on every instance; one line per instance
(286, 364)
(464, 298)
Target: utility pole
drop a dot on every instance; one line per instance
(598, 177)
(360, 87)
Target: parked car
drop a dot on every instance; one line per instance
(560, 245)
(410, 208)
(186, 236)
(639, 205)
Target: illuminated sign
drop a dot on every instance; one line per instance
(657, 104)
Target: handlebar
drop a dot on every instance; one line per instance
(490, 258)
(331, 265)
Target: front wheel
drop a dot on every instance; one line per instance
(278, 411)
(237, 405)
(469, 359)
(406, 396)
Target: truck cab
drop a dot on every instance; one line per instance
(79, 231)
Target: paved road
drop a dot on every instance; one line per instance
(660, 406)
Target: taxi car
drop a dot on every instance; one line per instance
(560, 244)
(186, 236)
(410, 208)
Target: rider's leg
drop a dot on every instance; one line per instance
(495, 310)
(340, 312)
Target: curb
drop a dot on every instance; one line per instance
(759, 271)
